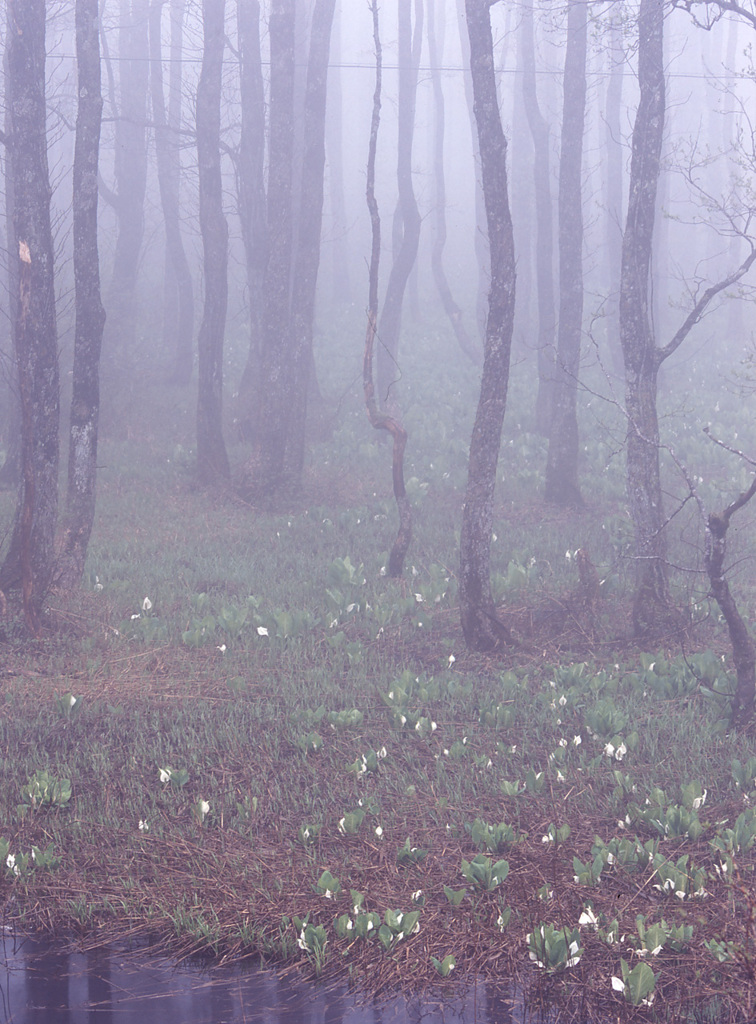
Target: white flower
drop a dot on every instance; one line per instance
(10, 862)
(403, 719)
(609, 750)
(574, 959)
(221, 648)
(547, 839)
(416, 895)
(341, 826)
(452, 659)
(328, 894)
(165, 774)
(562, 700)
(136, 615)
(262, 631)
(144, 826)
(560, 776)
(434, 726)
(146, 604)
(589, 918)
(419, 598)
(618, 985)
(98, 585)
(620, 752)
(378, 831)
(563, 742)
(380, 754)
(577, 740)
(71, 700)
(700, 800)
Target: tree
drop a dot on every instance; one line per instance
(562, 463)
(178, 315)
(212, 460)
(407, 220)
(10, 471)
(127, 198)
(309, 226)
(544, 245)
(481, 628)
(30, 560)
(451, 308)
(381, 420)
(653, 611)
(90, 315)
(250, 175)
(291, 272)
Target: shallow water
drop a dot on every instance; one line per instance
(40, 985)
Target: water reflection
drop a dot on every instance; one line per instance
(39, 985)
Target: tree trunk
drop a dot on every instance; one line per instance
(10, 471)
(544, 245)
(341, 284)
(378, 419)
(409, 234)
(178, 326)
(130, 180)
(452, 310)
(652, 600)
(562, 486)
(264, 473)
(90, 315)
(307, 259)
(743, 649)
(482, 255)
(252, 212)
(481, 628)
(30, 560)
(212, 460)
(613, 193)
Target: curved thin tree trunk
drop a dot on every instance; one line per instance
(90, 315)
(379, 420)
(481, 628)
(390, 324)
(212, 460)
(30, 560)
(562, 462)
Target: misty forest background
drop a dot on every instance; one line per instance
(218, 191)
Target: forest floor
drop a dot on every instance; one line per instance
(241, 740)
(238, 742)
